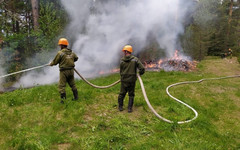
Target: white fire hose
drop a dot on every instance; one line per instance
(143, 90)
(146, 98)
(96, 86)
(23, 71)
(189, 82)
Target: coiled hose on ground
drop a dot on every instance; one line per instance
(145, 97)
(167, 90)
(189, 82)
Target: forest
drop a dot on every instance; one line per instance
(32, 117)
(30, 27)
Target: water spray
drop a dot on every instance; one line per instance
(23, 71)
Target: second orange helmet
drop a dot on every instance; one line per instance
(63, 41)
(127, 48)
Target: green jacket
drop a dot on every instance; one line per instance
(65, 58)
(128, 68)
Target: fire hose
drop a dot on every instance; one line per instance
(96, 86)
(189, 82)
(167, 90)
(23, 71)
(143, 90)
(145, 97)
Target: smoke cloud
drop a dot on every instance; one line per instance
(99, 33)
(99, 29)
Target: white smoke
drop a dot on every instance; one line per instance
(99, 29)
(100, 34)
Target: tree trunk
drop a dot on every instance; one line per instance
(17, 27)
(35, 13)
(229, 20)
(230, 12)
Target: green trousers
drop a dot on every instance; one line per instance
(127, 87)
(66, 76)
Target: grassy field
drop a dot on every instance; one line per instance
(34, 119)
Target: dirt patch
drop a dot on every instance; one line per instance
(219, 90)
(64, 146)
(222, 67)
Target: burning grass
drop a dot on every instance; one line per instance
(171, 65)
(176, 63)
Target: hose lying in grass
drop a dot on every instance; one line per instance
(146, 98)
(96, 86)
(143, 90)
(189, 82)
(24, 71)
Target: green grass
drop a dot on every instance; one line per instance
(34, 118)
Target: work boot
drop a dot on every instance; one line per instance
(63, 97)
(130, 104)
(120, 103)
(75, 94)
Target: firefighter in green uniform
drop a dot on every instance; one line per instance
(65, 58)
(128, 72)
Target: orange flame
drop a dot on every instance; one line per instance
(175, 63)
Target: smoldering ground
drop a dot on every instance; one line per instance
(99, 29)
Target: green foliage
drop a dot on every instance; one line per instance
(23, 46)
(51, 24)
(35, 119)
(212, 31)
(197, 38)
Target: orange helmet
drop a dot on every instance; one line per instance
(63, 41)
(127, 48)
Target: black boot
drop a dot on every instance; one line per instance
(130, 104)
(63, 97)
(75, 94)
(120, 103)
